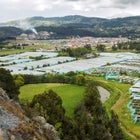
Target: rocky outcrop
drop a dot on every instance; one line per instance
(14, 125)
(7, 119)
(46, 127)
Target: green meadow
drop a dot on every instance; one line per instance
(71, 95)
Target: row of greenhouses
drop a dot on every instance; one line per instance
(134, 104)
(49, 62)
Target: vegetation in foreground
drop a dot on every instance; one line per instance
(73, 78)
(90, 118)
(115, 88)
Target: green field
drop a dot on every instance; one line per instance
(71, 94)
(30, 48)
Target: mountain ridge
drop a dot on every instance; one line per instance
(70, 18)
(74, 25)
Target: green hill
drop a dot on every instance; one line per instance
(79, 25)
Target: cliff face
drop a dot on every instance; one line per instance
(14, 125)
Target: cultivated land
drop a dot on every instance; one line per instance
(71, 94)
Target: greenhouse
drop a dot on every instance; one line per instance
(134, 104)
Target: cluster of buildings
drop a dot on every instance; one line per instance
(42, 35)
(78, 42)
(40, 38)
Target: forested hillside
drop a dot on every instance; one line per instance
(75, 25)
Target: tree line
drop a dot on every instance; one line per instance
(127, 46)
(76, 52)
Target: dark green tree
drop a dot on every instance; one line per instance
(101, 47)
(114, 48)
(138, 47)
(69, 129)
(88, 46)
(19, 80)
(49, 104)
(115, 128)
(80, 80)
(8, 84)
(91, 116)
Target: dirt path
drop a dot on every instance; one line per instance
(119, 101)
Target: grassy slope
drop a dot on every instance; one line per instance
(71, 94)
(118, 101)
(123, 112)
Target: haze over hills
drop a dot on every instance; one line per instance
(40, 21)
(77, 25)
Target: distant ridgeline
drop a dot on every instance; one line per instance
(63, 27)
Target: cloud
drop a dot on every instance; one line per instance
(13, 9)
(126, 1)
(73, 0)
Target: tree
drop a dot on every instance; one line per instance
(88, 46)
(91, 117)
(101, 48)
(8, 84)
(138, 47)
(114, 48)
(80, 80)
(19, 80)
(69, 129)
(115, 128)
(49, 105)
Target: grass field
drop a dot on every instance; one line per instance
(71, 94)
(26, 49)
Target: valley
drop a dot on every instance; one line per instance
(76, 72)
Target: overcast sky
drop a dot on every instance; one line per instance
(18, 9)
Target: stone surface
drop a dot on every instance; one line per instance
(40, 119)
(7, 119)
(14, 125)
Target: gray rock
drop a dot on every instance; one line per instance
(3, 95)
(40, 119)
(7, 119)
(48, 126)
(52, 130)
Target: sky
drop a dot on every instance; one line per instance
(19, 9)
